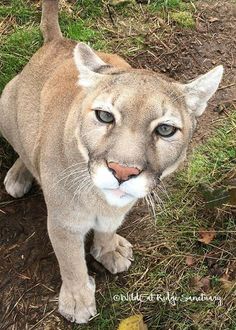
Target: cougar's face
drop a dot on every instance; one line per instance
(134, 133)
(134, 127)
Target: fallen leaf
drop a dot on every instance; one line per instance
(201, 283)
(134, 322)
(189, 261)
(213, 19)
(226, 283)
(214, 197)
(232, 270)
(232, 194)
(24, 277)
(200, 27)
(117, 2)
(216, 270)
(206, 236)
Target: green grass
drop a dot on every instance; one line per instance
(207, 175)
(89, 9)
(20, 10)
(78, 31)
(22, 36)
(170, 4)
(16, 50)
(180, 12)
(215, 159)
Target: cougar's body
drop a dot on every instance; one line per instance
(97, 135)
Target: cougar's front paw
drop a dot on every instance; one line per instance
(77, 303)
(115, 256)
(18, 180)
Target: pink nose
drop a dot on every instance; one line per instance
(123, 173)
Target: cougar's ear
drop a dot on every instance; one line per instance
(88, 65)
(199, 91)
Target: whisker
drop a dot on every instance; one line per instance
(89, 187)
(77, 180)
(80, 188)
(164, 190)
(150, 202)
(70, 172)
(73, 165)
(146, 200)
(156, 197)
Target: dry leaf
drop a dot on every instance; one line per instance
(206, 236)
(134, 322)
(226, 283)
(189, 261)
(232, 195)
(213, 19)
(214, 197)
(117, 2)
(201, 283)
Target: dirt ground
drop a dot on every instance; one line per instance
(29, 273)
(185, 53)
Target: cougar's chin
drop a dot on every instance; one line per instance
(118, 197)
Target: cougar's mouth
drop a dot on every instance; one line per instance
(117, 197)
(119, 193)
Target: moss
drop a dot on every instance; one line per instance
(183, 18)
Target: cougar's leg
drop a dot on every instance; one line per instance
(18, 180)
(77, 294)
(113, 251)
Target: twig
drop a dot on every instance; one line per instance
(141, 277)
(226, 86)
(17, 302)
(43, 318)
(110, 15)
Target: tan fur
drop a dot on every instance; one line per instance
(49, 25)
(47, 115)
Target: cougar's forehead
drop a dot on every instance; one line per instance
(137, 99)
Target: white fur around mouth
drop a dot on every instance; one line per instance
(118, 193)
(118, 197)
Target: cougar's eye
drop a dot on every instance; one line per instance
(165, 130)
(104, 116)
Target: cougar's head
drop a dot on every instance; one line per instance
(134, 126)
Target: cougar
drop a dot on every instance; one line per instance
(97, 135)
